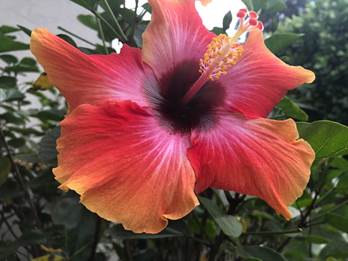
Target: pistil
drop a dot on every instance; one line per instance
(223, 52)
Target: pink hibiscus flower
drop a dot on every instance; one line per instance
(150, 128)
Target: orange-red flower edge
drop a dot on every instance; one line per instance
(138, 153)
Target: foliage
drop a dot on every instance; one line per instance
(39, 221)
(324, 48)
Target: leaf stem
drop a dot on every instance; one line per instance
(115, 20)
(106, 22)
(76, 36)
(100, 29)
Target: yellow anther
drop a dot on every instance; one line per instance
(222, 53)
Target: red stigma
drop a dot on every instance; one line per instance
(253, 21)
(260, 26)
(253, 15)
(242, 13)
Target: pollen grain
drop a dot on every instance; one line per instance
(220, 56)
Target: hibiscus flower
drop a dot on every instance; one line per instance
(148, 129)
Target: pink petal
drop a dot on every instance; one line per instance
(125, 166)
(175, 34)
(89, 78)
(260, 79)
(260, 157)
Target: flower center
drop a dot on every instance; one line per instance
(222, 53)
(200, 111)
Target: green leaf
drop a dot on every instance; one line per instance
(121, 234)
(218, 30)
(335, 248)
(52, 114)
(262, 253)
(5, 29)
(275, 5)
(115, 5)
(7, 82)
(256, 5)
(31, 237)
(229, 225)
(327, 138)
(16, 142)
(80, 239)
(138, 33)
(68, 39)
(88, 4)
(269, 5)
(9, 59)
(8, 45)
(339, 163)
(24, 29)
(47, 147)
(249, 4)
(280, 41)
(49, 258)
(342, 185)
(316, 239)
(27, 64)
(12, 117)
(108, 34)
(147, 7)
(7, 95)
(338, 221)
(8, 248)
(292, 110)
(227, 21)
(89, 21)
(5, 168)
(66, 211)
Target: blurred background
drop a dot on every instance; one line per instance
(40, 222)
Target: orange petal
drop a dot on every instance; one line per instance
(259, 157)
(205, 2)
(89, 78)
(175, 34)
(260, 80)
(125, 166)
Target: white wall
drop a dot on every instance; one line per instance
(53, 13)
(44, 13)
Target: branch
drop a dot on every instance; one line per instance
(21, 181)
(124, 36)
(8, 225)
(95, 239)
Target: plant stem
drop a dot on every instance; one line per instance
(284, 244)
(290, 231)
(102, 35)
(115, 20)
(106, 22)
(309, 210)
(329, 211)
(76, 36)
(95, 239)
(215, 248)
(135, 16)
(22, 183)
